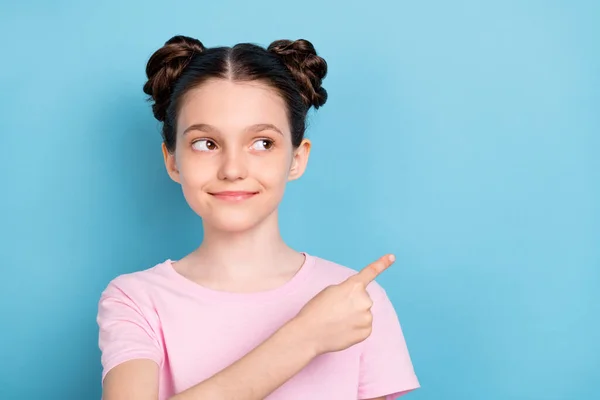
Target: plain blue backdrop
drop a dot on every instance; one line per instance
(462, 136)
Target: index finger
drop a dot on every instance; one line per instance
(372, 271)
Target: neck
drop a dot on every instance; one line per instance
(259, 251)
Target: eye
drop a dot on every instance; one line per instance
(204, 145)
(262, 144)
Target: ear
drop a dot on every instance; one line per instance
(170, 163)
(300, 160)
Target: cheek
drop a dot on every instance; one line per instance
(195, 171)
(274, 171)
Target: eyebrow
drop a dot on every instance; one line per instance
(211, 129)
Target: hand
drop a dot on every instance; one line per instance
(340, 315)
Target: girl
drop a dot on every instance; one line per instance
(244, 316)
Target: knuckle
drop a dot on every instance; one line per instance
(365, 301)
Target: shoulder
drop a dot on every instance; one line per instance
(138, 285)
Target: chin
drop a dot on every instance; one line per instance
(232, 222)
(236, 217)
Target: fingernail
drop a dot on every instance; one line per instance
(392, 258)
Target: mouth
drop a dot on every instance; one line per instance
(233, 196)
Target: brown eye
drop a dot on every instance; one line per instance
(262, 144)
(204, 145)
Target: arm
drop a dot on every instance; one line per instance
(261, 371)
(254, 376)
(133, 379)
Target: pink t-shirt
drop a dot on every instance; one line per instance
(193, 332)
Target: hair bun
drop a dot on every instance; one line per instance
(306, 66)
(165, 67)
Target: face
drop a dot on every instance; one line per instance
(234, 153)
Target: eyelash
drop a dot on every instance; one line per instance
(270, 141)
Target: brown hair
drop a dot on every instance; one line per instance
(292, 68)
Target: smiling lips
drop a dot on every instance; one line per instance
(233, 195)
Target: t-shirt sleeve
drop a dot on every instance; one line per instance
(125, 333)
(385, 365)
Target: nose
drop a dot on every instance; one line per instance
(233, 165)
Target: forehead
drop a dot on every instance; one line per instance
(232, 106)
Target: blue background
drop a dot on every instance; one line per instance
(463, 136)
